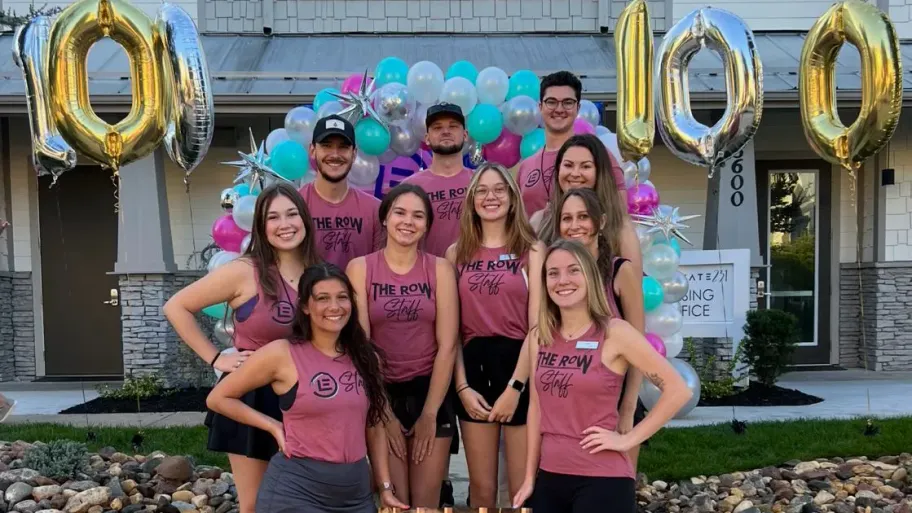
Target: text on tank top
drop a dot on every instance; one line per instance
(494, 295)
(614, 299)
(325, 413)
(447, 195)
(403, 315)
(576, 391)
(345, 230)
(535, 178)
(262, 319)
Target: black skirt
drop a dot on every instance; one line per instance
(229, 436)
(407, 401)
(489, 365)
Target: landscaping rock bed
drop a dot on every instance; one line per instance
(173, 484)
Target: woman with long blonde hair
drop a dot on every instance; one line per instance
(579, 355)
(495, 254)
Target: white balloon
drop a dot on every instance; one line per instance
(610, 141)
(675, 288)
(665, 321)
(459, 91)
(243, 212)
(245, 243)
(299, 124)
(589, 112)
(674, 344)
(275, 137)
(365, 170)
(646, 239)
(425, 81)
(601, 130)
(492, 84)
(419, 121)
(660, 261)
(328, 109)
(221, 258)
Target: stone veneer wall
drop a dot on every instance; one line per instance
(150, 345)
(17, 327)
(886, 295)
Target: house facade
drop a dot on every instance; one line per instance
(86, 266)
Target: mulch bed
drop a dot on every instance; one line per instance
(761, 395)
(182, 399)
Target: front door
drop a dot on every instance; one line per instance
(78, 222)
(795, 242)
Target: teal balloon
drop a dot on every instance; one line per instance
(325, 96)
(463, 69)
(373, 138)
(485, 123)
(652, 293)
(524, 83)
(390, 70)
(219, 311)
(289, 160)
(243, 189)
(531, 142)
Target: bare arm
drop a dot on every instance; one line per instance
(629, 286)
(224, 284)
(357, 274)
(447, 328)
(378, 448)
(630, 243)
(536, 255)
(459, 374)
(533, 418)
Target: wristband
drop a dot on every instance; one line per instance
(460, 389)
(212, 363)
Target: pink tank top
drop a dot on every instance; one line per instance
(576, 391)
(262, 319)
(346, 230)
(494, 295)
(328, 418)
(447, 194)
(403, 315)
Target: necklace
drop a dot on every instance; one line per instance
(577, 333)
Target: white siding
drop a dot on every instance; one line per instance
(898, 218)
(21, 219)
(149, 6)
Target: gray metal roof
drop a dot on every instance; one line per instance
(291, 69)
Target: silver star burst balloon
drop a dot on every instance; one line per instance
(665, 219)
(253, 167)
(358, 103)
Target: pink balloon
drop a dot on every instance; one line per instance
(581, 126)
(504, 150)
(227, 234)
(352, 83)
(656, 342)
(641, 199)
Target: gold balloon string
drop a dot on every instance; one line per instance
(115, 182)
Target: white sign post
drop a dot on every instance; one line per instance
(718, 296)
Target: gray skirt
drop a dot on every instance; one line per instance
(303, 485)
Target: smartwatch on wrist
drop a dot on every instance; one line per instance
(386, 486)
(518, 385)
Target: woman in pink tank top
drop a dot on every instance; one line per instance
(577, 461)
(494, 255)
(584, 220)
(330, 387)
(407, 302)
(584, 162)
(261, 289)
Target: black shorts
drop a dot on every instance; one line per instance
(564, 493)
(407, 401)
(489, 366)
(229, 436)
(640, 413)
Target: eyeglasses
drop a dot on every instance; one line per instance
(499, 192)
(566, 103)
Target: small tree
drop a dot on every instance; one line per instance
(770, 339)
(9, 18)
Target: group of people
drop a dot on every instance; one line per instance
(371, 334)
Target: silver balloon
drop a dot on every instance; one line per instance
(630, 173)
(221, 258)
(51, 154)
(389, 155)
(394, 104)
(243, 212)
(610, 140)
(673, 344)
(419, 121)
(729, 37)
(403, 141)
(644, 168)
(589, 112)
(664, 321)
(493, 84)
(476, 154)
(459, 91)
(245, 243)
(675, 288)
(646, 239)
(649, 394)
(190, 130)
(601, 130)
(275, 137)
(661, 261)
(521, 115)
(329, 108)
(224, 331)
(365, 170)
(425, 82)
(218, 373)
(299, 124)
(229, 198)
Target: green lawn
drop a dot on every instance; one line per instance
(673, 454)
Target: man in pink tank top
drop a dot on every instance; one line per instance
(345, 219)
(446, 180)
(561, 93)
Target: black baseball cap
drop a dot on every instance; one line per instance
(333, 125)
(442, 110)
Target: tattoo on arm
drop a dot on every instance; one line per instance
(656, 380)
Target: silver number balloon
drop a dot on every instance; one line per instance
(687, 138)
(51, 154)
(650, 394)
(403, 141)
(192, 124)
(675, 288)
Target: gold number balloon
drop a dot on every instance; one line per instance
(870, 31)
(635, 110)
(76, 29)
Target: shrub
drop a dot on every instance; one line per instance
(770, 339)
(59, 459)
(710, 387)
(142, 387)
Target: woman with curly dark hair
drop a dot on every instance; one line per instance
(331, 391)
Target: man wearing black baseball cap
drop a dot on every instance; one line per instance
(345, 219)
